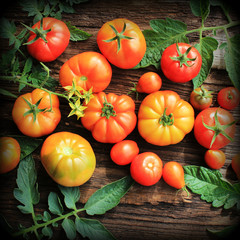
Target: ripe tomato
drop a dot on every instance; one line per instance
(9, 154)
(110, 117)
(68, 158)
(236, 164)
(215, 159)
(146, 168)
(201, 98)
(121, 41)
(228, 98)
(53, 39)
(173, 175)
(214, 128)
(122, 153)
(91, 69)
(181, 62)
(33, 114)
(164, 118)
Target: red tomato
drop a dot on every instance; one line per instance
(173, 175)
(123, 153)
(228, 98)
(181, 62)
(146, 168)
(215, 159)
(122, 42)
(9, 154)
(236, 164)
(214, 128)
(54, 38)
(90, 69)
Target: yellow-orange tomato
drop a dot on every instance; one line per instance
(164, 118)
(68, 158)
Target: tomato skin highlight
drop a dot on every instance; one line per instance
(215, 159)
(236, 164)
(9, 154)
(228, 98)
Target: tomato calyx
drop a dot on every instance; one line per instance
(166, 120)
(108, 110)
(203, 93)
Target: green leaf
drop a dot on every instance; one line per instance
(28, 66)
(200, 8)
(47, 231)
(232, 60)
(27, 191)
(7, 93)
(46, 216)
(206, 47)
(92, 229)
(163, 33)
(108, 196)
(8, 30)
(212, 187)
(71, 196)
(69, 228)
(54, 204)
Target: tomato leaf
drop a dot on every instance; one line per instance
(108, 196)
(200, 8)
(69, 228)
(8, 30)
(212, 187)
(54, 204)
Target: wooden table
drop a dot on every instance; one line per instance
(155, 212)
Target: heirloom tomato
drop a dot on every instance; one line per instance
(9, 154)
(215, 159)
(37, 113)
(48, 39)
(122, 42)
(180, 62)
(228, 98)
(236, 164)
(68, 158)
(164, 118)
(214, 128)
(90, 69)
(110, 117)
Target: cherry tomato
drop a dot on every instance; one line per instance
(9, 154)
(122, 42)
(236, 164)
(181, 62)
(123, 153)
(68, 158)
(228, 98)
(146, 168)
(215, 159)
(173, 175)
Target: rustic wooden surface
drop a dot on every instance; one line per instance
(155, 212)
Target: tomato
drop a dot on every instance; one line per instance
(121, 41)
(110, 117)
(236, 164)
(33, 114)
(215, 159)
(68, 158)
(173, 175)
(214, 128)
(122, 153)
(146, 168)
(54, 38)
(91, 69)
(164, 118)
(9, 154)
(181, 62)
(228, 98)
(201, 98)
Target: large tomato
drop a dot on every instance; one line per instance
(214, 128)
(37, 113)
(90, 69)
(68, 158)
(121, 41)
(110, 117)
(53, 39)
(164, 118)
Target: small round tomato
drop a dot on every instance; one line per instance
(215, 159)
(236, 164)
(37, 113)
(201, 98)
(9, 154)
(53, 39)
(181, 62)
(228, 98)
(173, 175)
(122, 42)
(90, 69)
(68, 158)
(146, 168)
(214, 128)
(123, 153)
